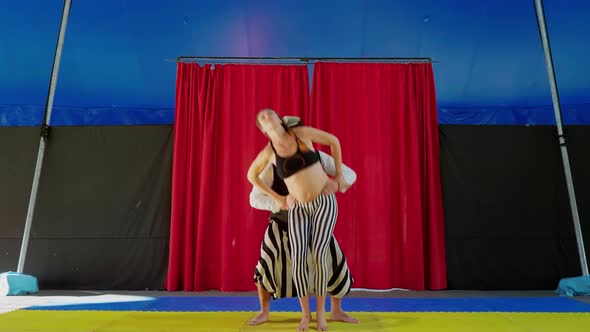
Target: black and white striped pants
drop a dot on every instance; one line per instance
(311, 226)
(274, 269)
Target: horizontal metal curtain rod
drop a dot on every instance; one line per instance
(301, 59)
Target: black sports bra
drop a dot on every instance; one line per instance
(287, 166)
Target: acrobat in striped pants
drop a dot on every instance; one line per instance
(311, 226)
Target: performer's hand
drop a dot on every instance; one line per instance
(330, 187)
(291, 201)
(282, 202)
(342, 185)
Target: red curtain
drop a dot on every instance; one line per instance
(215, 235)
(390, 224)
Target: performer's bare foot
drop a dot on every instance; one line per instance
(304, 323)
(259, 319)
(321, 320)
(342, 316)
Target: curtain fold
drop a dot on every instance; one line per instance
(215, 235)
(390, 224)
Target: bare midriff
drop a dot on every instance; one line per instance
(308, 183)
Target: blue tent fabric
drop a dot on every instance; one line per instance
(523, 115)
(122, 71)
(23, 116)
(18, 115)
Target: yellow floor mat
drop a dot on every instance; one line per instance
(130, 321)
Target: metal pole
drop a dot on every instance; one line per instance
(556, 107)
(44, 135)
(302, 59)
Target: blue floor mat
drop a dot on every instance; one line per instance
(228, 303)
